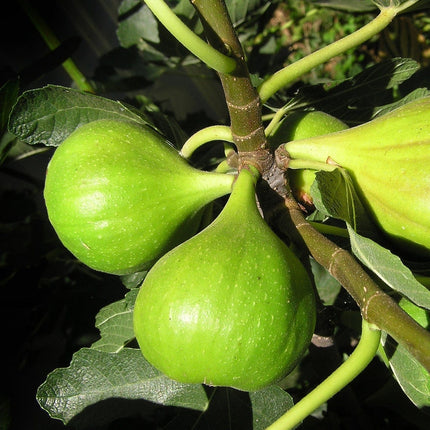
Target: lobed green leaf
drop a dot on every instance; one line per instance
(94, 376)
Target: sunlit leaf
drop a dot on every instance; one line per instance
(94, 376)
(48, 115)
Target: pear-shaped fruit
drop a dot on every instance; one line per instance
(302, 125)
(232, 306)
(119, 196)
(389, 159)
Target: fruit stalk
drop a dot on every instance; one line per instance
(295, 70)
(242, 99)
(210, 56)
(362, 355)
(208, 134)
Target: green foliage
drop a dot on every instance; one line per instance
(150, 79)
(97, 375)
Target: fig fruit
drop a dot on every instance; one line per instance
(119, 196)
(389, 160)
(232, 306)
(302, 125)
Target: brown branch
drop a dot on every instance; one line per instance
(242, 99)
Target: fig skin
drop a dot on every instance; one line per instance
(119, 196)
(302, 125)
(232, 306)
(389, 159)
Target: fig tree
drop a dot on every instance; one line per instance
(232, 306)
(389, 159)
(119, 196)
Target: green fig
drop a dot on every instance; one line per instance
(302, 125)
(232, 306)
(389, 160)
(119, 196)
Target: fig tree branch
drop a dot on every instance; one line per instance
(242, 99)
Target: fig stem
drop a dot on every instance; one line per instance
(202, 50)
(223, 167)
(205, 135)
(297, 69)
(275, 119)
(52, 42)
(362, 355)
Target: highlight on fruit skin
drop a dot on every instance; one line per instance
(119, 196)
(389, 161)
(232, 306)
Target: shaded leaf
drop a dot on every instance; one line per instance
(239, 10)
(94, 376)
(48, 115)
(347, 5)
(410, 374)
(414, 95)
(133, 280)
(7, 143)
(136, 22)
(8, 95)
(268, 405)
(389, 268)
(327, 286)
(115, 322)
(334, 195)
(356, 100)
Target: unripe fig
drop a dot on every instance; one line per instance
(119, 196)
(302, 125)
(232, 306)
(389, 160)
